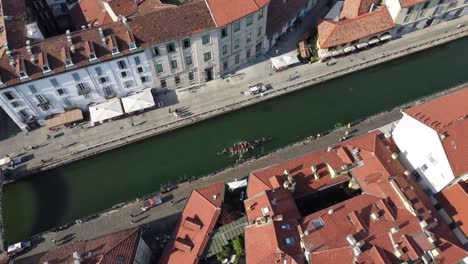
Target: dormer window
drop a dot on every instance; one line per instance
(92, 56)
(68, 63)
(22, 75)
(21, 68)
(112, 44)
(115, 51)
(45, 69)
(132, 46)
(131, 41)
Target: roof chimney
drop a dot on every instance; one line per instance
(394, 155)
(331, 211)
(351, 240)
(286, 172)
(394, 229)
(374, 216)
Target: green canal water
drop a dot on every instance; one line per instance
(88, 186)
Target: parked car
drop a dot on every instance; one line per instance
(17, 248)
(150, 203)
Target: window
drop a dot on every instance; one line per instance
(237, 59)
(410, 10)
(422, 13)
(260, 14)
(123, 74)
(249, 38)
(191, 77)
(102, 80)
(122, 65)
(265, 211)
(54, 82)
(224, 32)
(174, 64)
(32, 88)
(92, 56)
(15, 104)
(206, 39)
(155, 51)
(187, 43)
(225, 49)
(406, 19)
(247, 54)
(163, 84)
(177, 80)
(452, 5)
(137, 60)
(22, 75)
(82, 89)
(45, 68)
(68, 63)
(441, 2)
(170, 47)
(431, 158)
(128, 84)
(417, 176)
(317, 223)
(285, 227)
(249, 20)
(225, 65)
(60, 91)
(236, 43)
(236, 26)
(424, 168)
(108, 91)
(188, 60)
(425, 5)
(132, 46)
(144, 79)
(121, 259)
(98, 71)
(76, 77)
(259, 31)
(207, 56)
(23, 114)
(289, 240)
(9, 96)
(140, 70)
(115, 50)
(43, 103)
(159, 68)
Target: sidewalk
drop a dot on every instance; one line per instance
(216, 97)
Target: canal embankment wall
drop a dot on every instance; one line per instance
(405, 50)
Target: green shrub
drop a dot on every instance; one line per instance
(238, 247)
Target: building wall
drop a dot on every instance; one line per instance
(418, 16)
(78, 88)
(143, 253)
(237, 47)
(163, 58)
(421, 147)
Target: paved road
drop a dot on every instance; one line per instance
(210, 100)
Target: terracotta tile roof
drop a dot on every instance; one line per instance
(172, 23)
(278, 202)
(15, 26)
(195, 225)
(123, 7)
(300, 169)
(228, 11)
(89, 12)
(332, 33)
(454, 200)
(116, 248)
(266, 243)
(53, 47)
(354, 8)
(151, 5)
(408, 3)
(280, 12)
(448, 115)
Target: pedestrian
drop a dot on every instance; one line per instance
(133, 124)
(170, 110)
(54, 242)
(172, 203)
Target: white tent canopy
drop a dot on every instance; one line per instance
(138, 101)
(285, 60)
(106, 110)
(237, 184)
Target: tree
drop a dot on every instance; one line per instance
(238, 247)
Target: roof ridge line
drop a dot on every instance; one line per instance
(118, 243)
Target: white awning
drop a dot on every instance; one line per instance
(385, 37)
(349, 49)
(5, 161)
(138, 101)
(362, 45)
(338, 52)
(237, 184)
(106, 110)
(323, 53)
(14, 247)
(373, 41)
(285, 60)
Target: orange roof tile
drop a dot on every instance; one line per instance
(278, 202)
(300, 169)
(408, 3)
(354, 8)
(123, 7)
(195, 225)
(333, 33)
(454, 200)
(89, 12)
(280, 12)
(227, 11)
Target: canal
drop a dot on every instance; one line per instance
(88, 186)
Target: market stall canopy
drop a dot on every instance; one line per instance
(105, 110)
(138, 101)
(67, 117)
(385, 37)
(349, 49)
(374, 40)
(362, 45)
(285, 60)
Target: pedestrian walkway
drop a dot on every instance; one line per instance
(216, 97)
